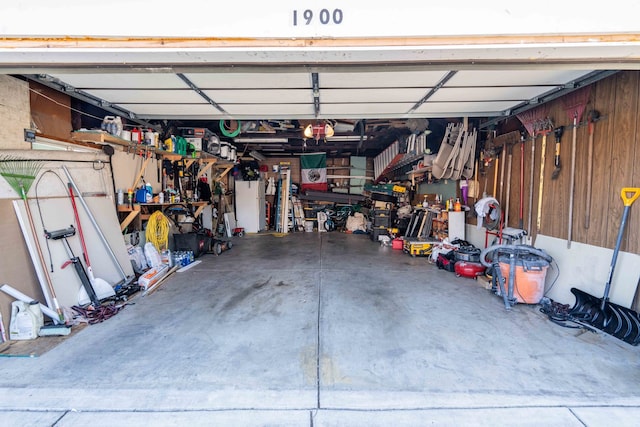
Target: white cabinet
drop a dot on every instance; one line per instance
(456, 226)
(250, 205)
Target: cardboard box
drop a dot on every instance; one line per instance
(197, 142)
(194, 132)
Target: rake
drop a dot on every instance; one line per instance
(529, 120)
(20, 174)
(574, 104)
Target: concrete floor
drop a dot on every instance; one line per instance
(323, 330)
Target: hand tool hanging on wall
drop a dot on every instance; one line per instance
(557, 133)
(592, 117)
(509, 147)
(546, 127)
(521, 211)
(574, 104)
(495, 174)
(502, 163)
(529, 119)
(621, 322)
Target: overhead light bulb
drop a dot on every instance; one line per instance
(308, 131)
(328, 131)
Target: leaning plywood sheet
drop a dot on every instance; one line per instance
(52, 214)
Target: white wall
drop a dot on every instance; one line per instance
(585, 267)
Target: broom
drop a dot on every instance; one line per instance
(20, 174)
(530, 119)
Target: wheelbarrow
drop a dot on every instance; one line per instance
(620, 322)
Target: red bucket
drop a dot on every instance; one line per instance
(397, 243)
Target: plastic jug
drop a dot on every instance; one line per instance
(34, 307)
(24, 325)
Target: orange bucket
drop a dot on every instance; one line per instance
(528, 287)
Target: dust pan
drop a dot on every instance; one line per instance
(620, 322)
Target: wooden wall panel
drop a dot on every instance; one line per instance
(624, 132)
(514, 202)
(556, 194)
(579, 193)
(50, 111)
(603, 146)
(633, 225)
(616, 164)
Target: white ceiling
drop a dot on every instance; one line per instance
(263, 93)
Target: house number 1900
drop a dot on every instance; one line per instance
(325, 17)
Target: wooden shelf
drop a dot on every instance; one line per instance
(99, 137)
(142, 211)
(133, 213)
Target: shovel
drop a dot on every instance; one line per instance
(101, 287)
(621, 322)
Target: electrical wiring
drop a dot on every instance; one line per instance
(158, 231)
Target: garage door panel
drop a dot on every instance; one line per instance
(148, 96)
(123, 80)
(269, 110)
(417, 79)
(258, 80)
(365, 110)
(513, 77)
(464, 108)
(372, 95)
(262, 96)
(170, 110)
(520, 93)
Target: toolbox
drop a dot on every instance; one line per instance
(417, 247)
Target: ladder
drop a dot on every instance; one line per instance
(284, 207)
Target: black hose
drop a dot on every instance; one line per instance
(515, 249)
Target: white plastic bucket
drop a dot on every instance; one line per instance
(308, 226)
(322, 218)
(224, 150)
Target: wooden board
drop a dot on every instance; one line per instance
(58, 214)
(16, 267)
(616, 164)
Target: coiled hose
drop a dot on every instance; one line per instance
(158, 231)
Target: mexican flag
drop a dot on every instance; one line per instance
(314, 171)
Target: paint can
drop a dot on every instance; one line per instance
(126, 134)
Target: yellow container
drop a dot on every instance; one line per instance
(417, 248)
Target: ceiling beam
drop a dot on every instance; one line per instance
(315, 86)
(199, 91)
(433, 90)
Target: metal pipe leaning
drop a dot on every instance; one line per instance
(103, 239)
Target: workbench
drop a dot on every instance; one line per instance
(142, 211)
